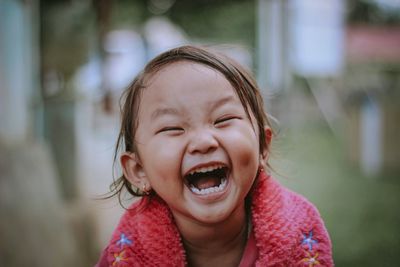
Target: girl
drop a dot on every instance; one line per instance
(196, 140)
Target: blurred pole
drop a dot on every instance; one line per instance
(103, 9)
(37, 98)
(371, 136)
(318, 52)
(18, 69)
(64, 48)
(317, 31)
(273, 67)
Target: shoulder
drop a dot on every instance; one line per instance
(145, 236)
(293, 223)
(103, 262)
(121, 241)
(278, 201)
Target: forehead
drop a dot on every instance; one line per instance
(184, 86)
(185, 77)
(181, 69)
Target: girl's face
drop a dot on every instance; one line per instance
(197, 147)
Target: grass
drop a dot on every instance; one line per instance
(361, 213)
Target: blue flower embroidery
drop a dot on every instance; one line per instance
(308, 240)
(123, 240)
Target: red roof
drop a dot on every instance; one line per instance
(373, 43)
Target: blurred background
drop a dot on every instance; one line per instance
(329, 72)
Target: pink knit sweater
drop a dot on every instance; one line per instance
(288, 231)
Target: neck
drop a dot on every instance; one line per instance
(220, 244)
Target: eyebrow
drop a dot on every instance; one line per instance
(163, 111)
(222, 101)
(172, 111)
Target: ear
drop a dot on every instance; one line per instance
(133, 170)
(268, 139)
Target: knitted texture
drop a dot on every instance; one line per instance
(287, 228)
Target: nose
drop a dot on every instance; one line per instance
(202, 141)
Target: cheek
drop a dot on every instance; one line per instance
(245, 147)
(249, 160)
(161, 158)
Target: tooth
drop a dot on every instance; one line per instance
(195, 190)
(206, 169)
(209, 190)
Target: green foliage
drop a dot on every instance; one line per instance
(65, 35)
(222, 21)
(129, 14)
(215, 21)
(370, 12)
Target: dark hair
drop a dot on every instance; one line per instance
(240, 79)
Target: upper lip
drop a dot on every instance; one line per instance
(205, 165)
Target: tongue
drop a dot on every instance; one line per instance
(206, 182)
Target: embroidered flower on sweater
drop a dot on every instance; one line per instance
(123, 240)
(311, 260)
(308, 240)
(119, 257)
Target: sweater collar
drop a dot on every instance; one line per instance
(147, 232)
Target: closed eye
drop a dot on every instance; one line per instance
(222, 121)
(172, 130)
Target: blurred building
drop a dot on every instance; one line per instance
(373, 97)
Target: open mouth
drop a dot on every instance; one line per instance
(207, 180)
